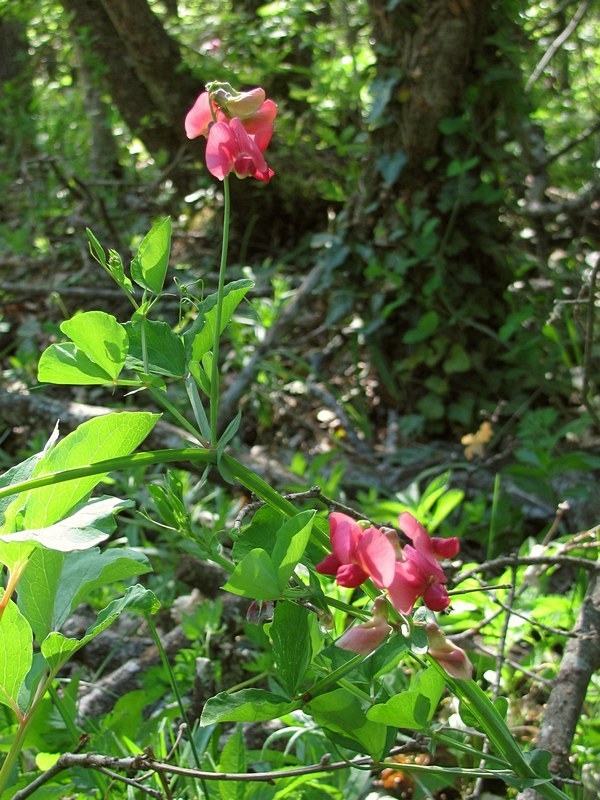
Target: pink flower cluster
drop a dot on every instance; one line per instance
(238, 127)
(406, 573)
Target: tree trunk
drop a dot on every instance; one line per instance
(143, 72)
(431, 249)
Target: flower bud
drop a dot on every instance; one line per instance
(452, 658)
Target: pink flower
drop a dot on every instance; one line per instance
(230, 149)
(448, 655)
(357, 554)
(249, 118)
(369, 635)
(418, 572)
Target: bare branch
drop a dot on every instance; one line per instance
(557, 44)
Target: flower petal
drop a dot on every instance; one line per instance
(364, 638)
(329, 565)
(436, 597)
(344, 533)
(445, 548)
(199, 117)
(375, 554)
(408, 585)
(220, 150)
(351, 576)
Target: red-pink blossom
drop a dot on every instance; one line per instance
(418, 572)
(367, 636)
(357, 554)
(230, 149)
(448, 655)
(248, 115)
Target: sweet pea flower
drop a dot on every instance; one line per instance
(367, 636)
(248, 115)
(418, 572)
(357, 554)
(448, 655)
(230, 149)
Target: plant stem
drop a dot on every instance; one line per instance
(214, 376)
(174, 685)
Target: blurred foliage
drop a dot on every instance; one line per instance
(467, 294)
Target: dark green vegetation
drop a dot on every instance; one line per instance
(426, 261)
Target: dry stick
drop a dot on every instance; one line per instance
(563, 710)
(143, 762)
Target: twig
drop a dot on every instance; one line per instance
(111, 765)
(557, 44)
(549, 560)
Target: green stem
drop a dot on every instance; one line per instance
(192, 454)
(12, 755)
(174, 685)
(162, 399)
(214, 376)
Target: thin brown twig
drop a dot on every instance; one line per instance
(109, 764)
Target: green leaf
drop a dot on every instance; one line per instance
(409, 709)
(291, 643)
(149, 267)
(261, 532)
(233, 759)
(117, 271)
(85, 528)
(96, 248)
(457, 360)
(164, 348)
(64, 364)
(247, 705)
(341, 712)
(57, 649)
(55, 583)
(16, 653)
(101, 338)
(425, 328)
(255, 577)
(290, 544)
(95, 440)
(200, 337)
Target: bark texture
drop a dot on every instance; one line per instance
(563, 710)
(142, 70)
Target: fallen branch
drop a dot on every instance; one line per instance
(563, 710)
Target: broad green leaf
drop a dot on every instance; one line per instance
(290, 544)
(457, 360)
(85, 528)
(55, 583)
(291, 643)
(149, 267)
(101, 338)
(247, 705)
(255, 577)
(261, 532)
(341, 712)
(233, 759)
(23, 471)
(200, 337)
(16, 653)
(65, 364)
(164, 348)
(408, 709)
(426, 327)
(414, 708)
(95, 440)
(57, 649)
